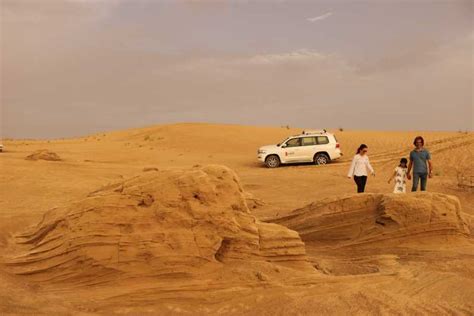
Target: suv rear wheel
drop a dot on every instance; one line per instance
(272, 161)
(321, 159)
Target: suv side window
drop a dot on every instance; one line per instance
(308, 141)
(322, 140)
(294, 142)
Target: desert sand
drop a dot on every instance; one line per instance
(182, 219)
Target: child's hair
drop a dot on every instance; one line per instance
(403, 161)
(361, 147)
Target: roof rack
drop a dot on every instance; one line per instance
(312, 132)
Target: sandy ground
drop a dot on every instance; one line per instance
(421, 269)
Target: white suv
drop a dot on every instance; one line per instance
(319, 147)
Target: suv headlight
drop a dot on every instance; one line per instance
(262, 151)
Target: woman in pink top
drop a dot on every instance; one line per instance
(359, 167)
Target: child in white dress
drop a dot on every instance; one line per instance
(400, 175)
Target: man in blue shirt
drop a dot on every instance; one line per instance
(420, 161)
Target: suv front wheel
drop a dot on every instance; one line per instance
(272, 161)
(321, 159)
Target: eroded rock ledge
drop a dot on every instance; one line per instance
(368, 218)
(160, 224)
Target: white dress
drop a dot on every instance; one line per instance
(400, 180)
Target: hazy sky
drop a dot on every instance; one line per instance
(74, 67)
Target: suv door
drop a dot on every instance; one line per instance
(309, 148)
(324, 144)
(292, 150)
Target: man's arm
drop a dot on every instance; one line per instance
(410, 165)
(430, 168)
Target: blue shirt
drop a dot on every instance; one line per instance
(419, 160)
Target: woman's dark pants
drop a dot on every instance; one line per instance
(360, 181)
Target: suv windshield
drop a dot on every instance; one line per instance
(279, 144)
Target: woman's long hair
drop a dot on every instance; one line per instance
(361, 147)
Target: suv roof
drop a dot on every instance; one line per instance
(313, 132)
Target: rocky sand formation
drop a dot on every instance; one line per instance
(378, 218)
(161, 224)
(44, 154)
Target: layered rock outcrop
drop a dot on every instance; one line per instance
(172, 223)
(367, 218)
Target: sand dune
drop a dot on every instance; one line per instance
(150, 221)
